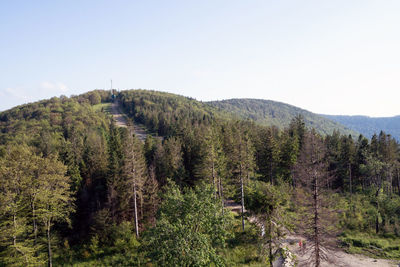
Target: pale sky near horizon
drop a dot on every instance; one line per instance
(330, 57)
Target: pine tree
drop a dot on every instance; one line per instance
(289, 151)
(114, 173)
(243, 163)
(134, 169)
(169, 162)
(347, 155)
(212, 166)
(267, 203)
(318, 222)
(151, 198)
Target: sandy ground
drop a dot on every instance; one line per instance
(340, 258)
(119, 118)
(121, 121)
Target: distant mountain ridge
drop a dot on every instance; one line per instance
(273, 113)
(369, 125)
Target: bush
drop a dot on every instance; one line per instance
(379, 243)
(360, 242)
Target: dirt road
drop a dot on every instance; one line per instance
(121, 121)
(340, 257)
(119, 117)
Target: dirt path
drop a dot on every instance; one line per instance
(119, 117)
(340, 258)
(140, 132)
(233, 206)
(121, 121)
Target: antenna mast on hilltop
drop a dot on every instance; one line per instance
(112, 91)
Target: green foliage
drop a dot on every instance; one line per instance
(124, 239)
(72, 156)
(103, 107)
(190, 229)
(371, 245)
(121, 248)
(94, 98)
(164, 113)
(244, 248)
(264, 198)
(271, 113)
(35, 195)
(60, 129)
(269, 205)
(357, 214)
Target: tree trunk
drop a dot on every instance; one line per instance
(221, 194)
(213, 177)
(15, 238)
(135, 210)
(141, 207)
(363, 183)
(270, 173)
(293, 178)
(15, 230)
(377, 208)
(242, 195)
(350, 180)
(270, 241)
(50, 263)
(398, 181)
(34, 223)
(316, 222)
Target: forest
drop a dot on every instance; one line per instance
(76, 190)
(370, 125)
(273, 113)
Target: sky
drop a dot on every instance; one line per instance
(329, 57)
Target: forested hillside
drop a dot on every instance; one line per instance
(272, 113)
(165, 113)
(369, 126)
(78, 191)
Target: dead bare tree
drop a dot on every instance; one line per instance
(317, 222)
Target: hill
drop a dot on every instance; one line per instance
(78, 190)
(165, 113)
(159, 110)
(267, 112)
(368, 126)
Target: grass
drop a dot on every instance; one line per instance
(242, 248)
(106, 107)
(371, 245)
(116, 259)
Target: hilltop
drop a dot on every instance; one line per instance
(153, 109)
(272, 113)
(262, 112)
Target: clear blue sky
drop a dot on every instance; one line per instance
(333, 57)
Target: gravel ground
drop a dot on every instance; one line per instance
(340, 258)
